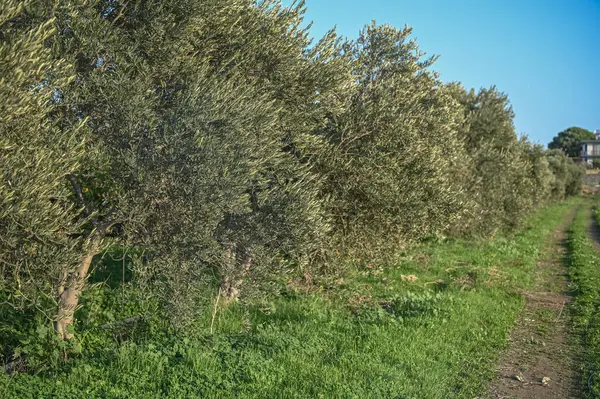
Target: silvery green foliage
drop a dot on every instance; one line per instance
(575, 180)
(540, 173)
(40, 238)
(201, 117)
(395, 148)
(567, 176)
(509, 176)
(220, 147)
(500, 185)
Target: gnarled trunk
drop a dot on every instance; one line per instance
(69, 291)
(237, 266)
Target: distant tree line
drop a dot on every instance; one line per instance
(569, 140)
(225, 151)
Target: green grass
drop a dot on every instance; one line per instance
(373, 335)
(584, 272)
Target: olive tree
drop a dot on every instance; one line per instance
(42, 238)
(394, 148)
(200, 119)
(540, 173)
(500, 184)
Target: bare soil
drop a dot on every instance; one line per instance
(540, 360)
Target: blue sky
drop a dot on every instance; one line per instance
(544, 53)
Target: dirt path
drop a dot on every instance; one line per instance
(540, 360)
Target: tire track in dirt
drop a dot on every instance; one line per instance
(540, 360)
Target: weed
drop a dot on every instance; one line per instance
(377, 335)
(584, 272)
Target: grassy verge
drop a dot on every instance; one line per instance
(430, 325)
(584, 272)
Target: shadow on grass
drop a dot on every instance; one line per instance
(114, 268)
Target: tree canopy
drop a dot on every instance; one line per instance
(221, 152)
(569, 140)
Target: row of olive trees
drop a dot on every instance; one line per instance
(219, 145)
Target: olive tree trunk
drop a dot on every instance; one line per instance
(237, 267)
(69, 290)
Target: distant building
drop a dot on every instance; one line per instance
(590, 149)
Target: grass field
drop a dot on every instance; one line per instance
(584, 273)
(429, 325)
